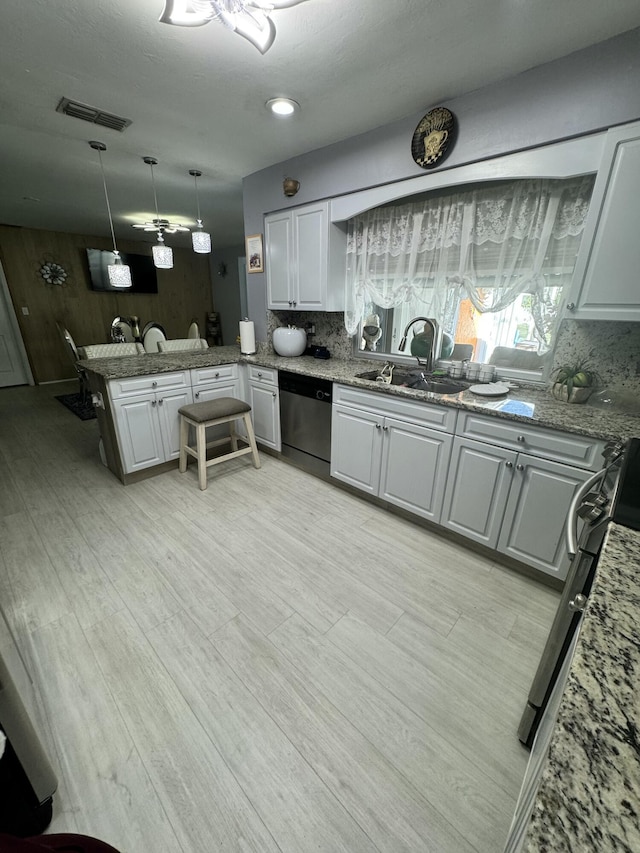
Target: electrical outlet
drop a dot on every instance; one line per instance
(25, 311)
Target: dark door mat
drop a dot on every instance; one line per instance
(75, 403)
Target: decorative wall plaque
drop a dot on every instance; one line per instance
(433, 137)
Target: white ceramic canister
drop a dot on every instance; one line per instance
(473, 370)
(289, 341)
(487, 373)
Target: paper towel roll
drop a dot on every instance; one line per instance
(247, 337)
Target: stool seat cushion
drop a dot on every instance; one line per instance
(210, 410)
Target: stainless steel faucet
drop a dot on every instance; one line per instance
(435, 340)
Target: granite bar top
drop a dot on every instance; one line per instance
(589, 794)
(526, 404)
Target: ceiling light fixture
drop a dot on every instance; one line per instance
(162, 255)
(200, 240)
(119, 273)
(167, 226)
(249, 18)
(282, 107)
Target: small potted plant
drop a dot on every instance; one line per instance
(574, 383)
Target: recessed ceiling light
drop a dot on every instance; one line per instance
(282, 107)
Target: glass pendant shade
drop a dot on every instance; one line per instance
(200, 240)
(119, 273)
(162, 256)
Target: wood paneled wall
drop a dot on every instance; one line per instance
(184, 293)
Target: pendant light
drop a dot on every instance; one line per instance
(162, 255)
(200, 239)
(119, 273)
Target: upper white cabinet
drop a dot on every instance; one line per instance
(606, 285)
(305, 260)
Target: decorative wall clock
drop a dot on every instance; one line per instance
(433, 137)
(53, 273)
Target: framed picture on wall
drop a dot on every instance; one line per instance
(255, 253)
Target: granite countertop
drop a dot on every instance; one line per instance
(589, 792)
(527, 404)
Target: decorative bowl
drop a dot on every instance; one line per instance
(289, 341)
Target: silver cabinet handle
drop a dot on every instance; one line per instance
(274, 394)
(519, 467)
(217, 374)
(378, 426)
(197, 394)
(153, 402)
(290, 303)
(259, 375)
(385, 428)
(294, 303)
(571, 306)
(578, 603)
(160, 401)
(521, 439)
(154, 384)
(509, 464)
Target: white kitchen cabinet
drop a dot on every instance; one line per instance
(477, 490)
(264, 400)
(606, 274)
(211, 383)
(305, 256)
(516, 502)
(148, 427)
(533, 528)
(401, 461)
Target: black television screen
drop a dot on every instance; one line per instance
(143, 272)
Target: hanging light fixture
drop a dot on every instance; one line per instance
(162, 254)
(249, 18)
(200, 239)
(119, 273)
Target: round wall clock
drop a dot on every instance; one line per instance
(433, 137)
(53, 273)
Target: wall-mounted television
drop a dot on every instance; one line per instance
(143, 272)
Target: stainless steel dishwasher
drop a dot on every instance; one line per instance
(305, 420)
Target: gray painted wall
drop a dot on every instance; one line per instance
(226, 291)
(587, 91)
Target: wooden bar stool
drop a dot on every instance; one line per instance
(211, 413)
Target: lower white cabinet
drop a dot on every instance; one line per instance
(264, 398)
(148, 427)
(512, 502)
(402, 462)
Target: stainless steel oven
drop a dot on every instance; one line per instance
(612, 494)
(305, 420)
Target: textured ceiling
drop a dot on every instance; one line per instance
(196, 95)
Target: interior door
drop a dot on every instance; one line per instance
(13, 370)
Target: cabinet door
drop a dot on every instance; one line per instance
(167, 406)
(356, 448)
(606, 273)
(414, 467)
(477, 490)
(533, 527)
(279, 260)
(310, 245)
(222, 388)
(138, 432)
(265, 412)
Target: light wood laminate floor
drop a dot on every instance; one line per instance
(270, 665)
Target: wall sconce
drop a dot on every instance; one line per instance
(290, 187)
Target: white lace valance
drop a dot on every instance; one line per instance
(495, 242)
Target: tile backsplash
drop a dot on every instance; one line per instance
(329, 329)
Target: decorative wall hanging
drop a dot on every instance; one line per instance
(53, 273)
(255, 255)
(433, 137)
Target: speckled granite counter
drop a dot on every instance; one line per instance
(540, 407)
(589, 794)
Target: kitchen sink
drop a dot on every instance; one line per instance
(416, 379)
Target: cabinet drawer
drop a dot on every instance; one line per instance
(264, 375)
(206, 375)
(133, 385)
(437, 417)
(559, 446)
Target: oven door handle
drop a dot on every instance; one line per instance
(571, 528)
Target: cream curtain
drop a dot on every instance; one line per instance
(490, 243)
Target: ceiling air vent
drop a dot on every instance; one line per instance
(92, 114)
